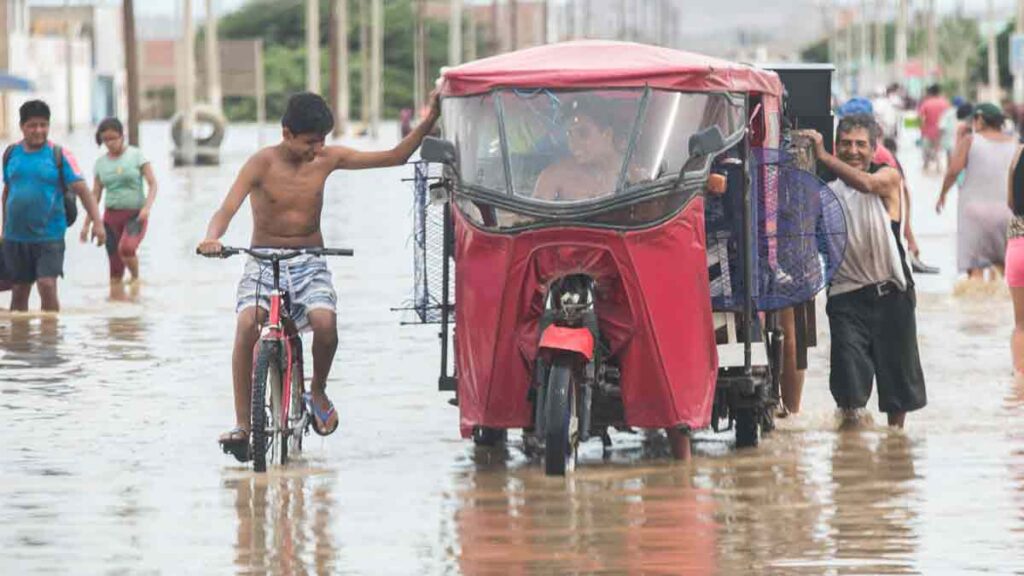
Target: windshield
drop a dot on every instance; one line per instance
(565, 146)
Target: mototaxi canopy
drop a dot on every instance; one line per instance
(607, 64)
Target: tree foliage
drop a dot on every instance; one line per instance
(281, 25)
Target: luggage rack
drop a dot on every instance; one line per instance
(432, 272)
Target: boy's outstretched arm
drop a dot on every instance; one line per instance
(222, 217)
(350, 159)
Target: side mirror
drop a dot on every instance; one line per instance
(707, 141)
(438, 150)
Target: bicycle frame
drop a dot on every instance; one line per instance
(277, 329)
(274, 331)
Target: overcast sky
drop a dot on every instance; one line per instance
(168, 7)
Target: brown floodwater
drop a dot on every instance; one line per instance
(109, 462)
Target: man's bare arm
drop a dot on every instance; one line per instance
(92, 208)
(351, 159)
(1010, 177)
(886, 183)
(244, 182)
(957, 163)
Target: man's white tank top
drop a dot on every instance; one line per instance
(872, 255)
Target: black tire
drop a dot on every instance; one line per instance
(747, 424)
(203, 115)
(489, 437)
(267, 359)
(558, 446)
(297, 412)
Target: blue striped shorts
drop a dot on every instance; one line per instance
(305, 279)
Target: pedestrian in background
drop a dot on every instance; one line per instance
(1015, 258)
(930, 112)
(982, 215)
(120, 172)
(35, 209)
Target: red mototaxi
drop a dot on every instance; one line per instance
(653, 300)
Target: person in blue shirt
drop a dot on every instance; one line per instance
(34, 221)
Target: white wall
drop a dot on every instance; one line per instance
(43, 61)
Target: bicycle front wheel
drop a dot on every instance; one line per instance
(266, 384)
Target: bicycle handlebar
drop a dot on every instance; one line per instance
(282, 254)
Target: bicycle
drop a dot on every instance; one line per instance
(276, 426)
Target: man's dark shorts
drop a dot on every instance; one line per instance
(874, 337)
(27, 262)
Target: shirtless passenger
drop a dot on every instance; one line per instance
(592, 168)
(285, 184)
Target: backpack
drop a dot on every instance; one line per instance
(70, 207)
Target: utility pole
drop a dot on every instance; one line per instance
(364, 58)
(419, 72)
(1018, 79)
(932, 58)
(313, 46)
(131, 64)
(213, 89)
(376, 66)
(829, 16)
(549, 33)
(496, 28)
(879, 67)
(455, 33)
(471, 37)
(993, 62)
(513, 24)
(340, 92)
(901, 37)
(260, 88)
(187, 69)
(69, 56)
(864, 66)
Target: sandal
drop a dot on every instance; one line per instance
(321, 417)
(236, 443)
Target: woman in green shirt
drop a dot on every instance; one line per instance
(120, 173)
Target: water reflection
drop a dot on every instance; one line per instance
(283, 524)
(873, 523)
(126, 338)
(31, 346)
(628, 521)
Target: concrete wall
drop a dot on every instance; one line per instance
(43, 61)
(102, 27)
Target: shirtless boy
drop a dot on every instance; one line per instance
(285, 184)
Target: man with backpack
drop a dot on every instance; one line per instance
(41, 182)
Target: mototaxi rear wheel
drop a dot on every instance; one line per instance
(747, 422)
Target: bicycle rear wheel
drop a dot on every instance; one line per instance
(266, 379)
(291, 441)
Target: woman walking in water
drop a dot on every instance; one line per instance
(1015, 259)
(120, 172)
(982, 216)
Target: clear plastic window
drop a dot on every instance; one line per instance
(567, 147)
(471, 123)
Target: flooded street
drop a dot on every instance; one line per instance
(110, 464)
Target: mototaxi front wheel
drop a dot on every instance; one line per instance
(559, 435)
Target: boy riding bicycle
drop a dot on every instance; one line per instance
(285, 184)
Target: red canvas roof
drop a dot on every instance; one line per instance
(606, 64)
